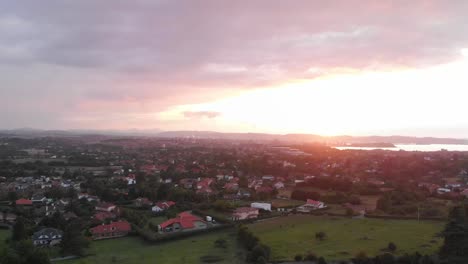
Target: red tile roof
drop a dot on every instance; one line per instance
(313, 202)
(246, 210)
(120, 226)
(185, 219)
(101, 216)
(24, 202)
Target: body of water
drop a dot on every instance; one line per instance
(414, 147)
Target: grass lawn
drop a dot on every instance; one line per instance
(157, 220)
(289, 236)
(189, 250)
(4, 234)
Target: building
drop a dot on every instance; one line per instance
(243, 213)
(39, 198)
(311, 205)
(162, 206)
(263, 206)
(143, 202)
(24, 202)
(105, 207)
(112, 230)
(185, 221)
(279, 185)
(104, 215)
(47, 237)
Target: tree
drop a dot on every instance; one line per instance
(19, 230)
(455, 247)
(12, 196)
(73, 242)
(321, 260)
(310, 257)
(243, 182)
(320, 235)
(298, 257)
(220, 243)
(392, 247)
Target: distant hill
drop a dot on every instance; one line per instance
(333, 141)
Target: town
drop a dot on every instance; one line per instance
(70, 196)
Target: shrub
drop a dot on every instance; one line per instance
(392, 247)
(298, 257)
(310, 257)
(321, 260)
(220, 243)
(320, 235)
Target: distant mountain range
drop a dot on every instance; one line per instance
(332, 140)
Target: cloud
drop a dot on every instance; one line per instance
(144, 56)
(201, 114)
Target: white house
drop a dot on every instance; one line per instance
(263, 206)
(279, 185)
(311, 205)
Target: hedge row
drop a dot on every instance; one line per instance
(152, 237)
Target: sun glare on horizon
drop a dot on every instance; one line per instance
(329, 106)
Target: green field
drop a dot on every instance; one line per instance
(289, 236)
(4, 234)
(189, 250)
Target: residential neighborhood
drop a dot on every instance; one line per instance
(106, 189)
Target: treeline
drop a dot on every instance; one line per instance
(333, 198)
(257, 252)
(403, 202)
(389, 258)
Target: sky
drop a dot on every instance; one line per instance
(355, 67)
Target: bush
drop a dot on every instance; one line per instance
(321, 260)
(392, 247)
(320, 235)
(310, 257)
(220, 243)
(298, 257)
(211, 259)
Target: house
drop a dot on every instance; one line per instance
(264, 189)
(103, 216)
(279, 185)
(243, 213)
(8, 217)
(205, 191)
(311, 205)
(69, 215)
(47, 237)
(131, 179)
(443, 190)
(105, 207)
(356, 209)
(464, 193)
(38, 198)
(112, 230)
(263, 206)
(23, 202)
(244, 193)
(231, 186)
(188, 183)
(268, 177)
(185, 221)
(64, 201)
(143, 202)
(162, 206)
(204, 184)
